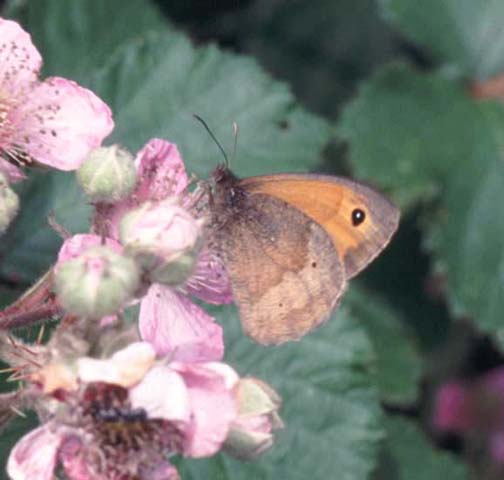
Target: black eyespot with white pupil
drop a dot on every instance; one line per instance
(358, 216)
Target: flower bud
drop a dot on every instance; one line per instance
(164, 239)
(96, 283)
(9, 203)
(251, 433)
(108, 174)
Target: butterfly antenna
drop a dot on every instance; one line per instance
(214, 138)
(235, 134)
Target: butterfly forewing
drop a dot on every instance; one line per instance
(333, 203)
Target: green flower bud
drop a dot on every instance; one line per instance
(9, 204)
(108, 174)
(97, 283)
(252, 432)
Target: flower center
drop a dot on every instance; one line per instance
(9, 151)
(124, 435)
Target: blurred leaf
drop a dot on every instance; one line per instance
(406, 131)
(321, 47)
(408, 455)
(75, 36)
(420, 134)
(400, 274)
(31, 245)
(464, 36)
(398, 364)
(468, 235)
(8, 295)
(330, 406)
(154, 85)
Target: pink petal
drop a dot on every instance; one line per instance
(14, 174)
(452, 410)
(35, 455)
(209, 281)
(161, 171)
(162, 394)
(213, 408)
(161, 471)
(76, 245)
(60, 122)
(126, 367)
(108, 216)
(176, 326)
(494, 381)
(229, 375)
(497, 447)
(72, 456)
(253, 424)
(20, 61)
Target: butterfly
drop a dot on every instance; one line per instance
(290, 243)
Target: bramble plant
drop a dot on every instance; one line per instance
(123, 352)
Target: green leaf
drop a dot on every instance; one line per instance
(8, 295)
(330, 406)
(321, 47)
(398, 364)
(75, 36)
(420, 134)
(406, 131)
(408, 455)
(464, 36)
(31, 245)
(157, 83)
(468, 235)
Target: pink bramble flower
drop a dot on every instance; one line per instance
(475, 411)
(54, 122)
(125, 416)
(163, 234)
(453, 408)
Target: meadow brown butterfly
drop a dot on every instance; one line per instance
(290, 243)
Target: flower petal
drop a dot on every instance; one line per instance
(175, 325)
(210, 282)
(160, 170)
(20, 61)
(452, 410)
(126, 367)
(35, 455)
(497, 447)
(162, 394)
(60, 122)
(231, 378)
(213, 408)
(76, 245)
(160, 471)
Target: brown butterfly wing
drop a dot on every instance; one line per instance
(330, 202)
(285, 274)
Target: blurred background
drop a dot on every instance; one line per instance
(407, 380)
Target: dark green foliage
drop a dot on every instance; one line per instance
(391, 82)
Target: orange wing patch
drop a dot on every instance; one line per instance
(330, 202)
